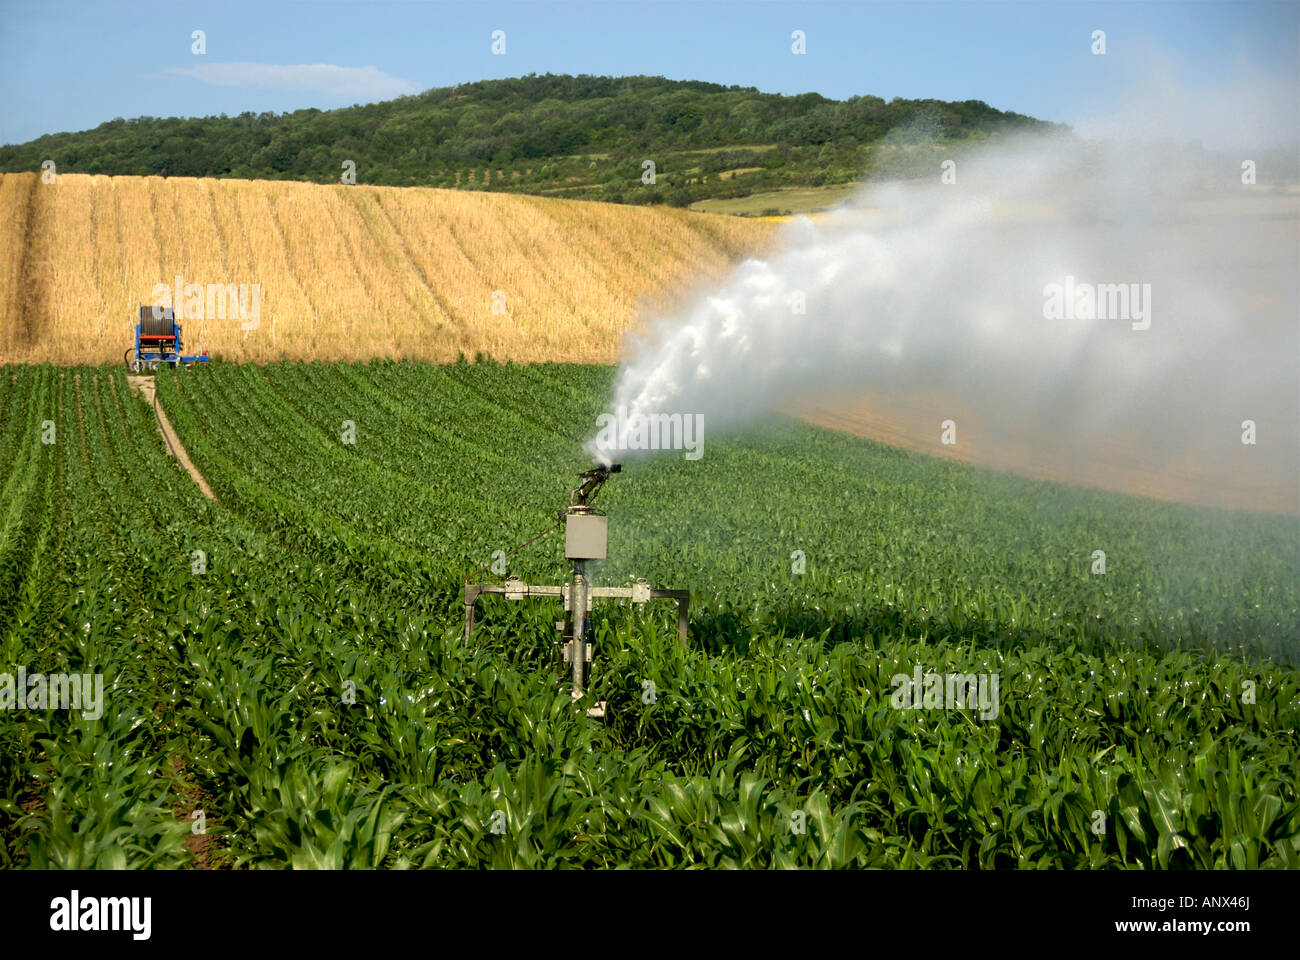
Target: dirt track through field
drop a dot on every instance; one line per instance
(146, 387)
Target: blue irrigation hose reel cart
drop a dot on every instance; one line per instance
(158, 341)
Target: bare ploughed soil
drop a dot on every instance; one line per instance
(202, 843)
(145, 385)
(1226, 477)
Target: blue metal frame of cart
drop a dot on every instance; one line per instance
(158, 341)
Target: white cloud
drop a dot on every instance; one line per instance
(355, 84)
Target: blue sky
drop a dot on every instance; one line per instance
(73, 65)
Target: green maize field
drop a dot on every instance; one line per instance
(290, 659)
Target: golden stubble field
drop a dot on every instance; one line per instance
(345, 272)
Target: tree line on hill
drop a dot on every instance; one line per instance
(575, 136)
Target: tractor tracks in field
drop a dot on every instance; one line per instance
(30, 291)
(145, 385)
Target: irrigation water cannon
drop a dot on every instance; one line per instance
(586, 535)
(591, 482)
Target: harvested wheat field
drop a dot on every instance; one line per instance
(342, 272)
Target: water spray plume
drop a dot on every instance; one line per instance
(1061, 294)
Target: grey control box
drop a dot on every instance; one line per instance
(585, 537)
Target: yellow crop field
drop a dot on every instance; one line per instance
(341, 272)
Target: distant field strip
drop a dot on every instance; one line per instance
(344, 272)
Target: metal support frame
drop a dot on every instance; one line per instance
(585, 540)
(518, 590)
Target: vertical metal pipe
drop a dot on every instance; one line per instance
(578, 596)
(471, 598)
